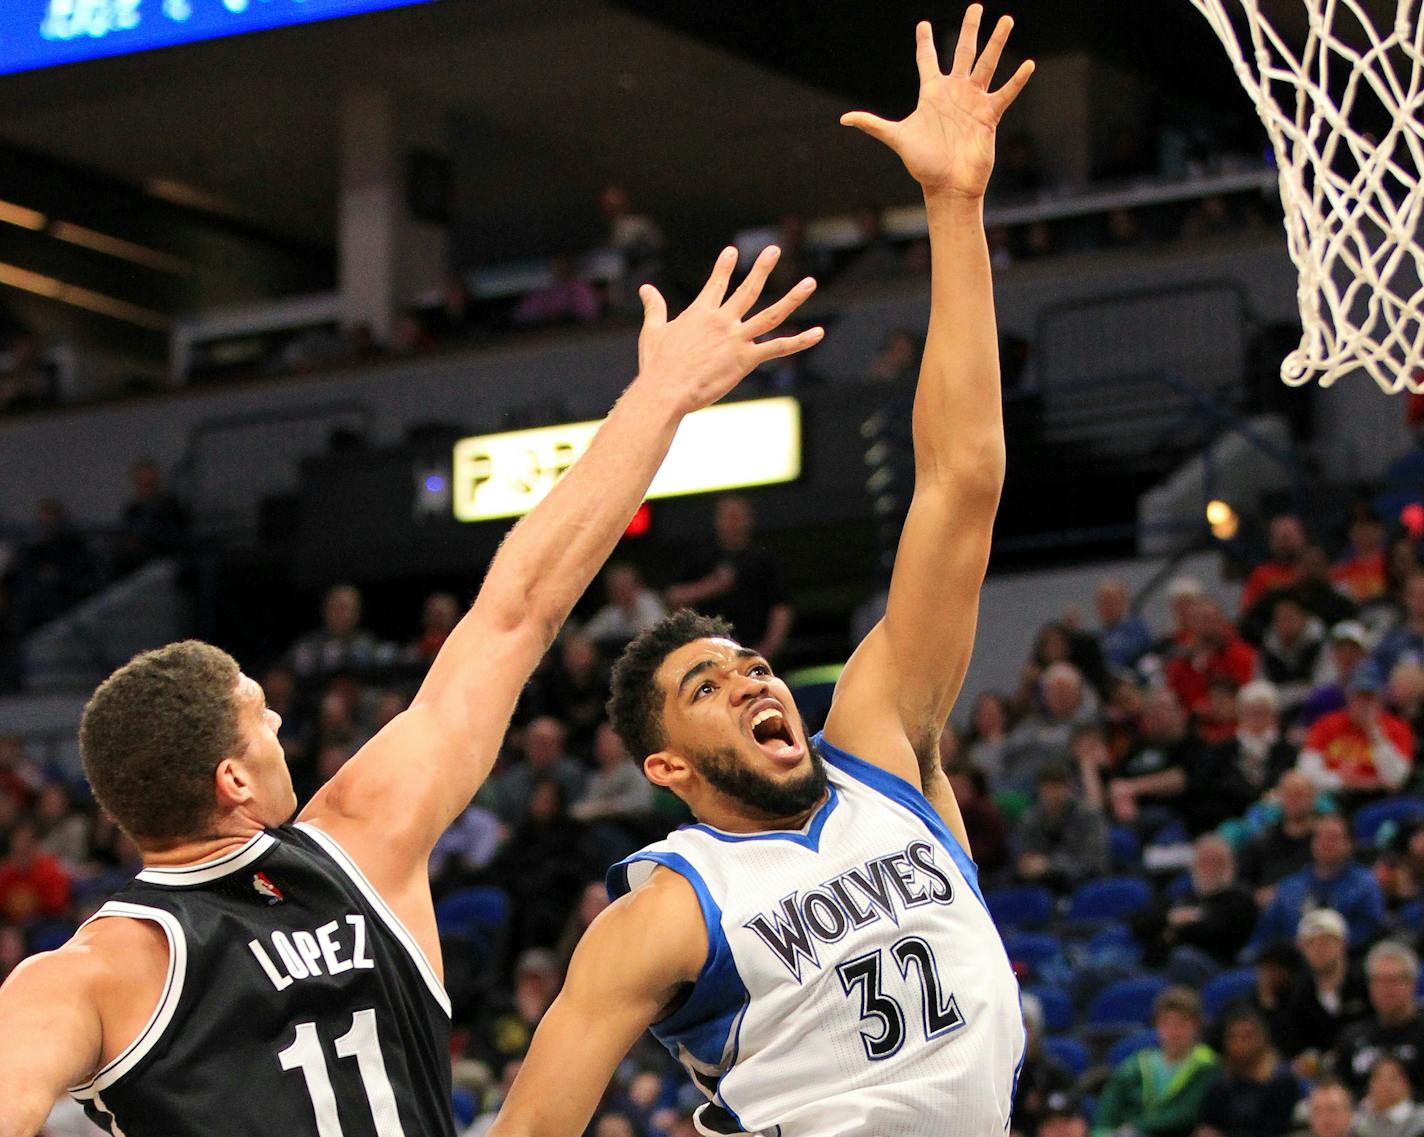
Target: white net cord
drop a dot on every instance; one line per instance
(1352, 198)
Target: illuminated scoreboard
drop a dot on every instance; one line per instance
(731, 446)
(43, 33)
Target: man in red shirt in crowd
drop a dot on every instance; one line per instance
(32, 883)
(1287, 542)
(1361, 574)
(1362, 751)
(1216, 652)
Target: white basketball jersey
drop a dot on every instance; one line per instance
(854, 981)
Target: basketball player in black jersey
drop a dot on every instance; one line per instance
(263, 977)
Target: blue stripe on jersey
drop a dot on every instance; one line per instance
(902, 793)
(810, 839)
(703, 1027)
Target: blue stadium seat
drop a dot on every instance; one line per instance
(1057, 1007)
(1227, 988)
(1127, 1047)
(472, 913)
(1111, 898)
(1411, 916)
(1126, 1001)
(1124, 848)
(1072, 1052)
(1028, 907)
(1397, 809)
(1112, 940)
(1032, 948)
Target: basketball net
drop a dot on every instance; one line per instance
(1352, 198)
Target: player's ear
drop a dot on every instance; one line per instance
(231, 784)
(666, 768)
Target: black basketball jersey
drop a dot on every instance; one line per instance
(296, 1004)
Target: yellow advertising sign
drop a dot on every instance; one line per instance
(726, 447)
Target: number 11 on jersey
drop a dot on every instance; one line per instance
(360, 1042)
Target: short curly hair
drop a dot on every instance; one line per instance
(154, 732)
(635, 707)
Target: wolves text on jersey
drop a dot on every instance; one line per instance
(854, 899)
(304, 955)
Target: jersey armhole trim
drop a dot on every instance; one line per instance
(162, 1014)
(352, 871)
(909, 797)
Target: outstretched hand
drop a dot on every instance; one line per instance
(712, 346)
(947, 143)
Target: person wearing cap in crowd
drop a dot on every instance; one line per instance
(1330, 996)
(1330, 1110)
(1062, 839)
(1254, 1092)
(1041, 1078)
(1158, 1091)
(1389, 1107)
(1394, 1025)
(1332, 880)
(1063, 1116)
(1407, 640)
(1363, 751)
(1347, 649)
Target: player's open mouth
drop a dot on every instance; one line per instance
(773, 734)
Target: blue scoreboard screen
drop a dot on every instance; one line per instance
(42, 33)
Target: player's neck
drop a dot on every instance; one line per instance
(206, 847)
(729, 820)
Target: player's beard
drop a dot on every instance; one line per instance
(765, 798)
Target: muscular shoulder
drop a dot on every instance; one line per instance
(654, 937)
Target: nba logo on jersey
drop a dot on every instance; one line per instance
(265, 887)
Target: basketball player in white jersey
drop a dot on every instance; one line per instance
(285, 979)
(815, 951)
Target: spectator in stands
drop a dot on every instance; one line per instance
(876, 256)
(20, 776)
(1043, 735)
(53, 571)
(1349, 644)
(469, 845)
(1241, 770)
(1328, 997)
(1254, 1093)
(1388, 1108)
(1183, 592)
(1361, 574)
(1360, 752)
(1159, 1092)
(26, 382)
(1145, 790)
(739, 581)
(1286, 541)
(1283, 847)
(1122, 634)
(1394, 1026)
(616, 800)
(1276, 971)
(983, 822)
(1063, 1116)
(1041, 1077)
(1215, 650)
(340, 644)
(1290, 649)
(1062, 839)
(1401, 868)
(639, 242)
(438, 617)
(64, 830)
(544, 865)
(1201, 930)
(898, 360)
(572, 687)
(1330, 1110)
(509, 1025)
(153, 524)
(988, 735)
(1407, 640)
(545, 758)
(632, 608)
(33, 884)
(1331, 880)
(566, 299)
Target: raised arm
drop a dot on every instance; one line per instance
(628, 967)
(390, 802)
(896, 693)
